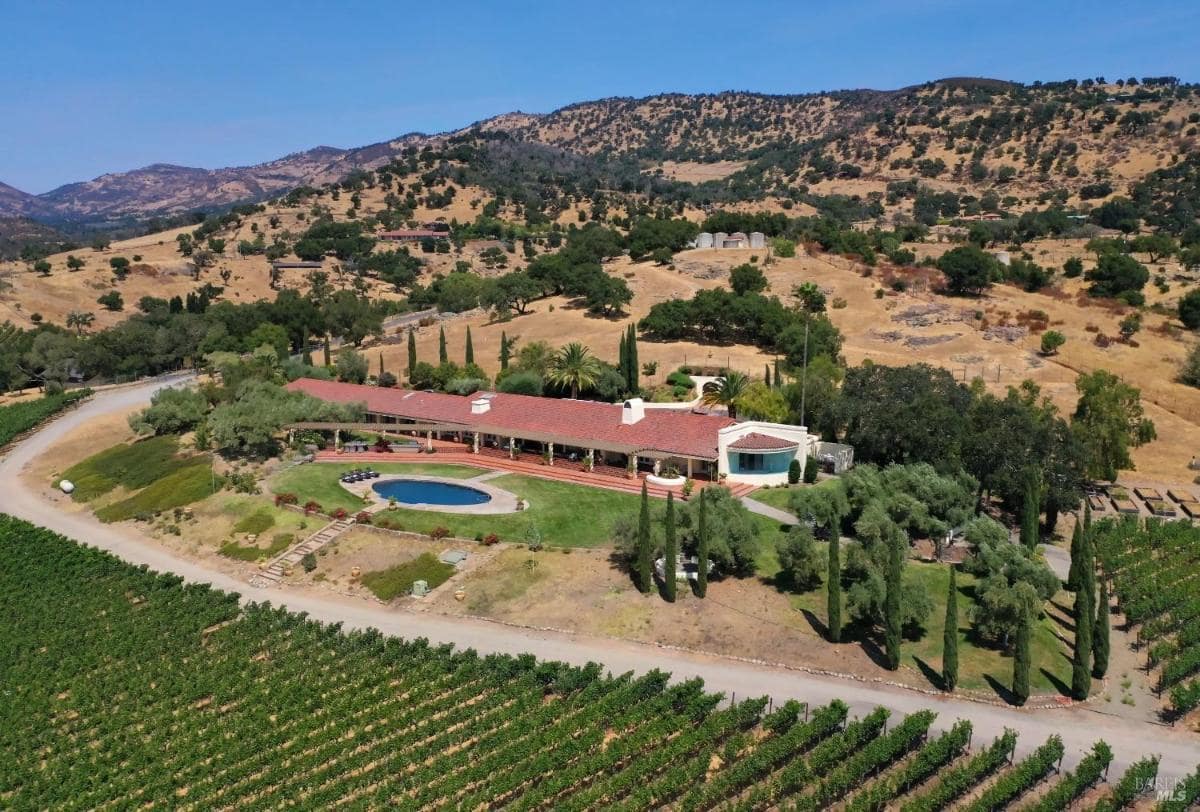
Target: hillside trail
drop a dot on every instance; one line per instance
(1079, 726)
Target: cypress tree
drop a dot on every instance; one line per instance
(504, 351)
(950, 636)
(328, 360)
(1087, 516)
(1030, 508)
(631, 351)
(767, 375)
(623, 358)
(1020, 683)
(1087, 571)
(670, 554)
(443, 356)
(778, 378)
(833, 589)
(1076, 552)
(891, 600)
(1052, 510)
(381, 364)
(1100, 641)
(645, 555)
(469, 354)
(307, 354)
(702, 547)
(1085, 618)
(412, 350)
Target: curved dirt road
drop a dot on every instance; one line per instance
(1079, 727)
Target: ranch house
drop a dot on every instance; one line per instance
(619, 439)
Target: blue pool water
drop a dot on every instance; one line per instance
(418, 492)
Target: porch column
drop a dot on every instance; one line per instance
(589, 459)
(512, 448)
(429, 441)
(550, 453)
(689, 467)
(337, 439)
(631, 470)
(475, 443)
(657, 467)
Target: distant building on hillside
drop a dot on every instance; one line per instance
(737, 239)
(413, 235)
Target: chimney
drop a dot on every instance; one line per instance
(632, 411)
(481, 405)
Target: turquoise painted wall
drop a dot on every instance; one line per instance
(775, 462)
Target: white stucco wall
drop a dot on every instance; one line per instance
(805, 443)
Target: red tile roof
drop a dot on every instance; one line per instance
(762, 442)
(669, 431)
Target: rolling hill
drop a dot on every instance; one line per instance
(977, 135)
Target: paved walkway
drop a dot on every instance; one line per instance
(527, 465)
(1079, 727)
(781, 516)
(487, 476)
(1058, 559)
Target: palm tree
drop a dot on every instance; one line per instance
(574, 366)
(79, 320)
(726, 390)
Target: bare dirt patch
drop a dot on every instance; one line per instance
(583, 592)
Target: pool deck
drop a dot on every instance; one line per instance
(528, 465)
(501, 501)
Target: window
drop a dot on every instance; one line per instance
(750, 462)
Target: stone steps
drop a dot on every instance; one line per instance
(274, 571)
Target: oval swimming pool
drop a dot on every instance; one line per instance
(422, 492)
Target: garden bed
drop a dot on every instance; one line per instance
(1126, 506)
(1160, 508)
(390, 583)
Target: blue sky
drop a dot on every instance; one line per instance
(94, 87)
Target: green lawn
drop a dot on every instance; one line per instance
(181, 487)
(130, 465)
(143, 478)
(253, 552)
(319, 481)
(257, 522)
(398, 580)
(775, 497)
(565, 514)
(975, 662)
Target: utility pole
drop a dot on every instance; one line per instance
(804, 376)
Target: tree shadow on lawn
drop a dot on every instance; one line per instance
(1066, 623)
(1062, 607)
(874, 651)
(934, 677)
(1002, 690)
(816, 623)
(1058, 684)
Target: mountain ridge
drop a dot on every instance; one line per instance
(704, 127)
